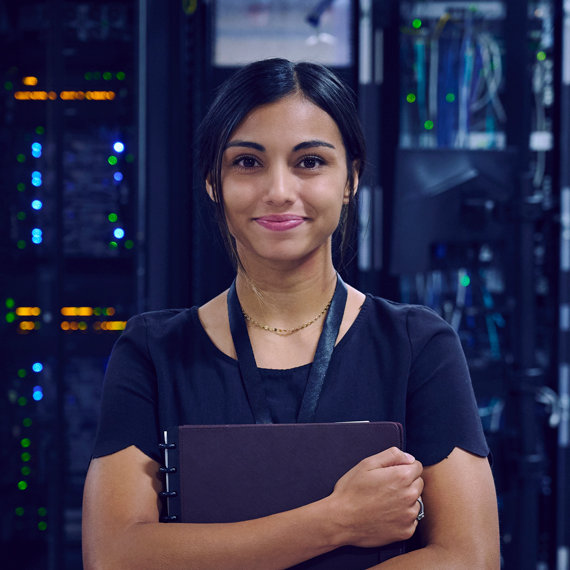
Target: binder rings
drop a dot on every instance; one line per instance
(231, 473)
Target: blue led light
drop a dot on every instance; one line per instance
(118, 176)
(119, 233)
(36, 149)
(36, 178)
(37, 204)
(37, 366)
(37, 393)
(37, 236)
(118, 147)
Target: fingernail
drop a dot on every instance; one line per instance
(411, 458)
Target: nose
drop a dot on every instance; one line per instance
(279, 185)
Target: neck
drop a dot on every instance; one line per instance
(285, 298)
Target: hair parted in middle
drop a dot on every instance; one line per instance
(268, 81)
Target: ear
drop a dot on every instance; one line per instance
(348, 191)
(210, 189)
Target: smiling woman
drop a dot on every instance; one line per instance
(285, 181)
(281, 156)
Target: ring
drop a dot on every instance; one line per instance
(421, 514)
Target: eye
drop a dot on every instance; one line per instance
(246, 162)
(311, 162)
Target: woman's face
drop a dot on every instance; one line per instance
(284, 182)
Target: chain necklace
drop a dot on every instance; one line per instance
(285, 332)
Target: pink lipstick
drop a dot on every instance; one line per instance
(280, 222)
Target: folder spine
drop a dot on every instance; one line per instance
(171, 478)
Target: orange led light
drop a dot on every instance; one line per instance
(30, 80)
(65, 95)
(28, 311)
(77, 311)
(109, 325)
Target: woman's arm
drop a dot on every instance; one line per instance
(460, 528)
(373, 504)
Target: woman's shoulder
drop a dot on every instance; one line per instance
(410, 319)
(162, 323)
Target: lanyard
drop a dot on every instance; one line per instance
(250, 373)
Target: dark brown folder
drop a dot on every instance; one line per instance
(239, 472)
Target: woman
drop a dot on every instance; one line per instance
(282, 153)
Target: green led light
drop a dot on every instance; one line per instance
(10, 317)
(410, 98)
(21, 216)
(129, 244)
(465, 281)
(40, 130)
(25, 442)
(27, 422)
(107, 75)
(20, 186)
(417, 23)
(10, 303)
(22, 485)
(96, 75)
(541, 56)
(22, 373)
(112, 217)
(25, 470)
(450, 97)
(8, 85)
(120, 75)
(21, 157)
(21, 244)
(42, 511)
(42, 525)
(22, 401)
(428, 125)
(113, 245)
(88, 75)
(112, 160)
(97, 311)
(19, 511)
(25, 457)
(129, 158)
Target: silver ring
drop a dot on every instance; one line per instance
(421, 514)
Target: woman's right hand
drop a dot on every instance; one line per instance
(375, 503)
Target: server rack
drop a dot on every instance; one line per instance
(69, 248)
(470, 222)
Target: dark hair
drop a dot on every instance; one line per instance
(268, 81)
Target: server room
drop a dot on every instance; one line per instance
(463, 207)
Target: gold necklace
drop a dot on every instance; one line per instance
(285, 332)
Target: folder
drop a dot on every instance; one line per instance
(230, 473)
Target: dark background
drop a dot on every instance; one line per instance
(465, 207)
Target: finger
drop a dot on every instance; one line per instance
(388, 458)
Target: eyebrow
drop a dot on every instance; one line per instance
(312, 144)
(261, 148)
(246, 144)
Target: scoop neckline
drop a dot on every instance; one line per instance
(338, 346)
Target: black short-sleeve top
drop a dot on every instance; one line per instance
(397, 362)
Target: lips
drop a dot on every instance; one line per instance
(280, 222)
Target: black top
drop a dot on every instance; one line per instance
(397, 362)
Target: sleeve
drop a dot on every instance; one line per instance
(441, 410)
(129, 409)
